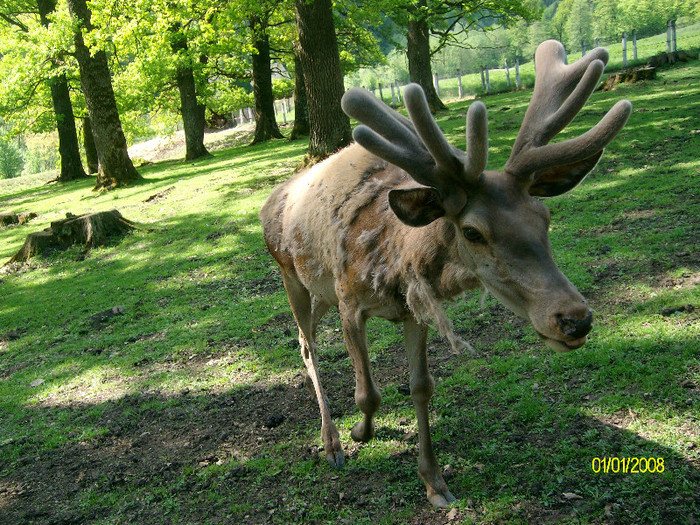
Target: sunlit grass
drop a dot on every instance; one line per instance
(206, 328)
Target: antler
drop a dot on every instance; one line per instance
(560, 93)
(418, 146)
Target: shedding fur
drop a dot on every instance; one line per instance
(426, 308)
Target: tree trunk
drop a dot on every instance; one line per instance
(418, 53)
(301, 112)
(329, 127)
(93, 162)
(115, 166)
(265, 122)
(193, 113)
(68, 148)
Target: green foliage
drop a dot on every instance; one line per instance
(11, 158)
(41, 152)
(579, 24)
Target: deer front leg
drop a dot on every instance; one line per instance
(367, 395)
(307, 315)
(422, 387)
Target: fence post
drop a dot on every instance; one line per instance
(668, 36)
(507, 73)
(393, 95)
(488, 82)
(284, 111)
(583, 47)
(436, 83)
(483, 82)
(398, 90)
(381, 93)
(624, 49)
(517, 73)
(459, 84)
(673, 35)
(241, 116)
(596, 42)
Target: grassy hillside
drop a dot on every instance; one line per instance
(190, 407)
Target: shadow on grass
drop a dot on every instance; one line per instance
(249, 455)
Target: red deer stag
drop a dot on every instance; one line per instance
(402, 221)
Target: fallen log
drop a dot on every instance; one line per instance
(90, 230)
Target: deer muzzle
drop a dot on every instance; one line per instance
(573, 331)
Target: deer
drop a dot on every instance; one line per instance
(400, 221)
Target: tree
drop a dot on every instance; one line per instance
(579, 24)
(92, 160)
(607, 18)
(191, 109)
(445, 21)
(561, 14)
(418, 53)
(11, 159)
(69, 150)
(116, 168)
(24, 100)
(265, 122)
(301, 112)
(320, 61)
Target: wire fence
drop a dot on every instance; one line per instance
(630, 49)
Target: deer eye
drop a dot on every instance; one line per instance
(473, 235)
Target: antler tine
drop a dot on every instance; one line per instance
(477, 140)
(446, 157)
(422, 151)
(385, 132)
(560, 93)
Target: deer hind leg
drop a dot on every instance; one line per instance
(422, 387)
(308, 313)
(367, 395)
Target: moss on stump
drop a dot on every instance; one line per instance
(90, 230)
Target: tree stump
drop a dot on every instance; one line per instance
(91, 229)
(7, 218)
(668, 59)
(628, 76)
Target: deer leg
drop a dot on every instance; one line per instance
(307, 314)
(422, 387)
(367, 395)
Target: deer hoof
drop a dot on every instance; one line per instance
(441, 500)
(336, 459)
(362, 432)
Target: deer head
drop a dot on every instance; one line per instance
(504, 227)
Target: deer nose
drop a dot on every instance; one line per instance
(574, 327)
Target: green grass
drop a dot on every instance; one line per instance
(687, 39)
(159, 415)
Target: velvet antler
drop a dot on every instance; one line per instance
(560, 93)
(418, 145)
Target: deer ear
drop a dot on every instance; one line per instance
(560, 179)
(416, 206)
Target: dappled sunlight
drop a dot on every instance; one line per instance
(191, 395)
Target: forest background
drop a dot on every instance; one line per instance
(149, 44)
